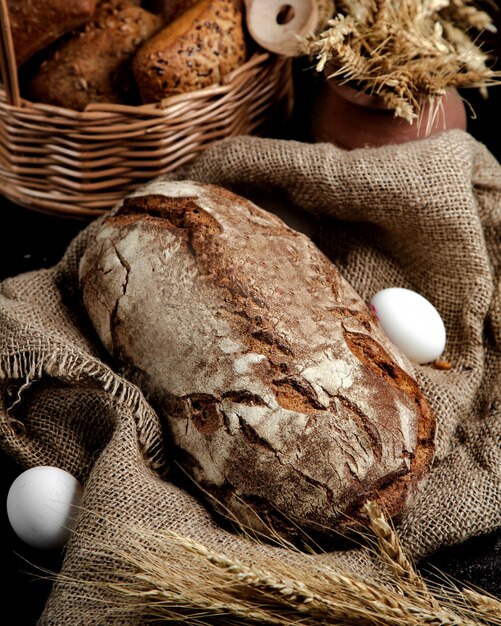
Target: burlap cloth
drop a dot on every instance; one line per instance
(424, 215)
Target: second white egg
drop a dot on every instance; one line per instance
(411, 322)
(41, 506)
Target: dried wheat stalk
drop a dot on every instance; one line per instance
(170, 577)
(406, 51)
(489, 606)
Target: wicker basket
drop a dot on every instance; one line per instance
(79, 164)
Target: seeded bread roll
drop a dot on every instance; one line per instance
(94, 64)
(196, 50)
(282, 396)
(36, 24)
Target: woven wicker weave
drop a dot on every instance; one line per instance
(80, 164)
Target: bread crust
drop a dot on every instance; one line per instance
(94, 64)
(197, 49)
(36, 24)
(283, 398)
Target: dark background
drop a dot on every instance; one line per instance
(32, 240)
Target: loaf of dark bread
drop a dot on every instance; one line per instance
(282, 396)
(94, 64)
(35, 24)
(196, 50)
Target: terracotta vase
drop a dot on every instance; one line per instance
(351, 119)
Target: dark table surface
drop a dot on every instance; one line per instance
(32, 240)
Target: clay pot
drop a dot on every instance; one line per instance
(351, 119)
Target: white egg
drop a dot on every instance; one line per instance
(411, 322)
(41, 506)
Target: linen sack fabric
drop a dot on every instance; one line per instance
(424, 215)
